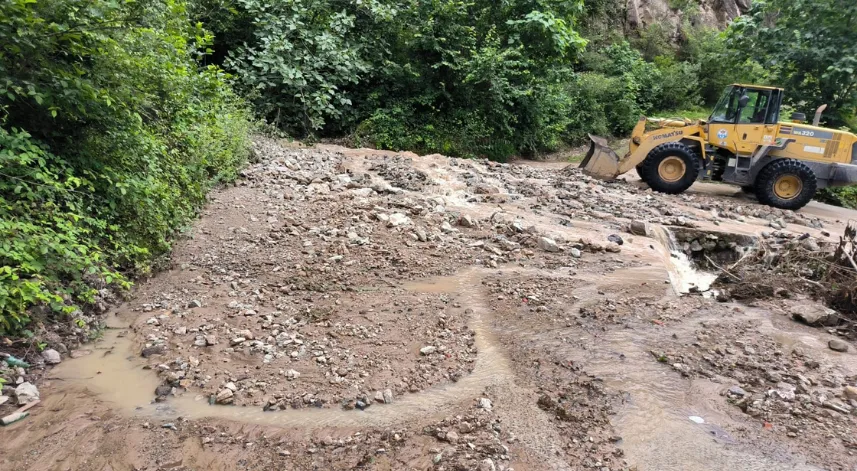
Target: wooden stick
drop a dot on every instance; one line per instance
(28, 406)
(721, 268)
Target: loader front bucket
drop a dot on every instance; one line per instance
(600, 162)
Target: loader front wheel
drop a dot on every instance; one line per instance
(670, 168)
(786, 184)
(640, 172)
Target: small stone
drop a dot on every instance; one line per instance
(195, 303)
(838, 345)
(639, 228)
(483, 189)
(785, 391)
(379, 397)
(575, 252)
(428, 350)
(850, 392)
(737, 391)
(361, 405)
(155, 350)
(224, 396)
(485, 403)
(210, 340)
(487, 465)
(452, 437)
(616, 239)
(810, 244)
(292, 374)
(51, 356)
(388, 396)
(466, 221)
(548, 245)
(3, 400)
(398, 219)
(163, 390)
(26, 393)
(246, 333)
(169, 425)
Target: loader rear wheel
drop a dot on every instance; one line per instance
(670, 168)
(786, 184)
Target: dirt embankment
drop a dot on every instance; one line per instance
(350, 309)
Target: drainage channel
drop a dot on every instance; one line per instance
(692, 256)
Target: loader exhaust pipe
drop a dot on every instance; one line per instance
(601, 161)
(818, 112)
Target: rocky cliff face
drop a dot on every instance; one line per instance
(718, 13)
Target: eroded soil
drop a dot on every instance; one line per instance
(357, 309)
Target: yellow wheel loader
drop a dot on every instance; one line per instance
(743, 142)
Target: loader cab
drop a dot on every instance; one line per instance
(745, 117)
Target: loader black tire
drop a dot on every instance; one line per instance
(640, 172)
(786, 184)
(682, 162)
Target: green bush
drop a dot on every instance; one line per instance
(655, 40)
(810, 50)
(840, 196)
(110, 136)
(664, 84)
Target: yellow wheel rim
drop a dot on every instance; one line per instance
(671, 169)
(788, 187)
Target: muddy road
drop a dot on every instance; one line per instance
(358, 309)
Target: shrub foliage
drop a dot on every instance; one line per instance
(110, 135)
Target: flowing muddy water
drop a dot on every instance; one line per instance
(114, 372)
(655, 426)
(659, 422)
(656, 423)
(683, 275)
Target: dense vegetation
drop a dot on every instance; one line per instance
(110, 135)
(473, 77)
(117, 116)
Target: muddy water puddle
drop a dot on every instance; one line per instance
(116, 375)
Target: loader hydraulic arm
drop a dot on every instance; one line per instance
(602, 162)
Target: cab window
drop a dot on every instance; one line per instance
(727, 107)
(756, 110)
